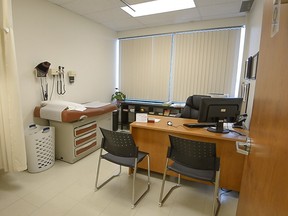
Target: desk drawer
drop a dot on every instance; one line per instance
(83, 129)
(85, 138)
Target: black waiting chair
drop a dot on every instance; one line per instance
(192, 159)
(192, 105)
(120, 149)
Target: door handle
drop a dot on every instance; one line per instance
(244, 147)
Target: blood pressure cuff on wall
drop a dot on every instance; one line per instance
(42, 69)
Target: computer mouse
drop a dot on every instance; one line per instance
(169, 123)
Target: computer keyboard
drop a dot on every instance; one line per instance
(199, 125)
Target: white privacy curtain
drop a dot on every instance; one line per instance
(12, 140)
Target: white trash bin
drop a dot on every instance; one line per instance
(40, 147)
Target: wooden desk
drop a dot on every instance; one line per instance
(153, 138)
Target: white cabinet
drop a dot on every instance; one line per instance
(76, 140)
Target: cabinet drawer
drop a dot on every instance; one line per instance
(85, 138)
(82, 149)
(83, 129)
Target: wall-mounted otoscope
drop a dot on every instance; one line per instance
(61, 90)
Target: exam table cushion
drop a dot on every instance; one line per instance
(73, 115)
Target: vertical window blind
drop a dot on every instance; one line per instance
(172, 67)
(145, 67)
(205, 62)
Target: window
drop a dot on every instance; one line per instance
(145, 67)
(174, 66)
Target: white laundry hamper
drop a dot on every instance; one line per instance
(40, 147)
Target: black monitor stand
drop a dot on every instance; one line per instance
(219, 127)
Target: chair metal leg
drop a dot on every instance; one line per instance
(134, 203)
(148, 168)
(98, 171)
(215, 196)
(161, 201)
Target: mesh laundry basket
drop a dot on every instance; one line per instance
(40, 147)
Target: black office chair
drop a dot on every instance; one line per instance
(191, 108)
(193, 159)
(121, 149)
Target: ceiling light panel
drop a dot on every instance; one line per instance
(158, 6)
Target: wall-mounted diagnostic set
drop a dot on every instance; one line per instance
(42, 70)
(61, 90)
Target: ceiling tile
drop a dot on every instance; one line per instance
(59, 2)
(201, 3)
(171, 18)
(88, 6)
(123, 25)
(116, 18)
(219, 9)
(110, 14)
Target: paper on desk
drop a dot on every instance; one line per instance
(95, 104)
(153, 120)
(141, 117)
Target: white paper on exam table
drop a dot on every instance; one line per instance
(52, 110)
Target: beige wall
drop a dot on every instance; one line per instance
(252, 44)
(46, 32)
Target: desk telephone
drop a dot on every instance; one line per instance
(240, 120)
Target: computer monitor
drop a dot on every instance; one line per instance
(219, 110)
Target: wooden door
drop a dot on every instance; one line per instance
(264, 189)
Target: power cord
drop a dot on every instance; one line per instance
(44, 91)
(53, 84)
(225, 191)
(233, 131)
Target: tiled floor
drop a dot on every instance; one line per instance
(68, 190)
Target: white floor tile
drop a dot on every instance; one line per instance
(18, 208)
(68, 190)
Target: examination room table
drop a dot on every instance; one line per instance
(78, 133)
(154, 138)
